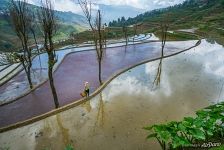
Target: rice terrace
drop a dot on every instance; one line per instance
(111, 75)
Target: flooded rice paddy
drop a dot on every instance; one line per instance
(19, 85)
(114, 119)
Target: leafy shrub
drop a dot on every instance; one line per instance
(208, 124)
(69, 147)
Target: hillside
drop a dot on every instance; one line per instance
(188, 12)
(205, 15)
(112, 12)
(68, 23)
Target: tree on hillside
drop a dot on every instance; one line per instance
(97, 30)
(135, 27)
(48, 26)
(125, 31)
(21, 20)
(123, 19)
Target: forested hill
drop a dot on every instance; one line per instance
(189, 13)
(68, 22)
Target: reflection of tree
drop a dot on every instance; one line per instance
(157, 79)
(64, 131)
(100, 114)
(164, 27)
(87, 106)
(210, 40)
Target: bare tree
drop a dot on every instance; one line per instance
(48, 26)
(32, 30)
(105, 32)
(100, 49)
(97, 30)
(164, 28)
(21, 20)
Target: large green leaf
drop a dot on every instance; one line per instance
(165, 136)
(148, 128)
(153, 135)
(180, 141)
(197, 134)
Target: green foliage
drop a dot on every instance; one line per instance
(69, 147)
(68, 23)
(222, 2)
(4, 148)
(190, 10)
(218, 148)
(206, 15)
(209, 123)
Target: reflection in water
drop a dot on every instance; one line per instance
(221, 90)
(40, 71)
(64, 131)
(157, 79)
(190, 81)
(52, 134)
(100, 114)
(164, 28)
(16, 88)
(210, 40)
(87, 106)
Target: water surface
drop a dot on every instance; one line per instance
(19, 85)
(114, 119)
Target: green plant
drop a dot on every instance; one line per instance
(69, 147)
(4, 148)
(208, 124)
(218, 148)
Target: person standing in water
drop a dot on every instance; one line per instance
(87, 89)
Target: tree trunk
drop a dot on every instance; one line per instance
(34, 36)
(27, 71)
(100, 72)
(51, 79)
(126, 37)
(29, 76)
(100, 52)
(29, 64)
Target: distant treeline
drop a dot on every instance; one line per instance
(155, 15)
